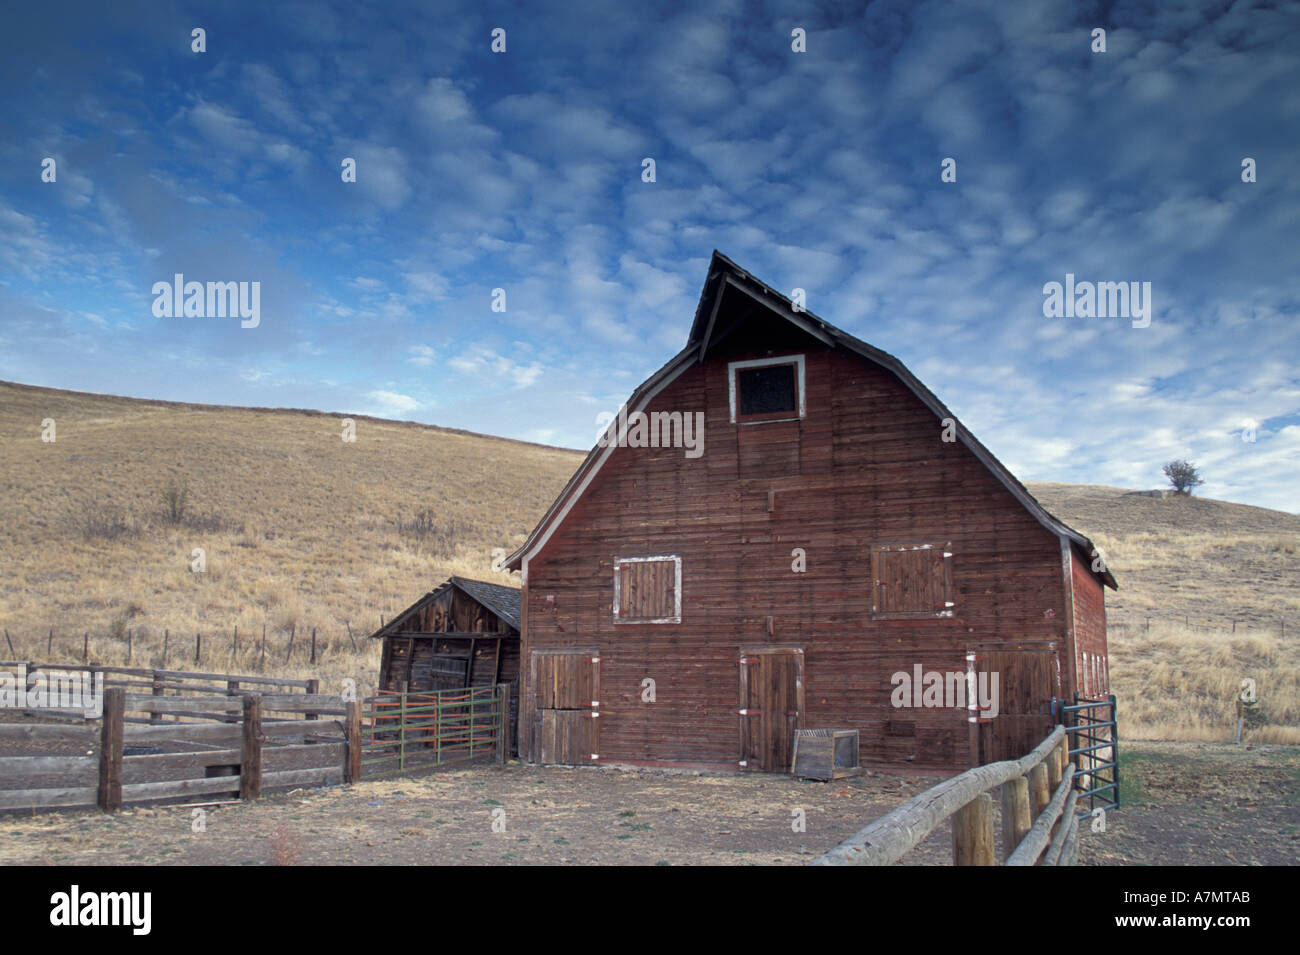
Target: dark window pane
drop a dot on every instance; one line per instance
(767, 390)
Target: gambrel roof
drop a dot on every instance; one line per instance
(709, 327)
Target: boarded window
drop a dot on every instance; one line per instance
(647, 590)
(911, 580)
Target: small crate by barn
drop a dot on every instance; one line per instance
(825, 754)
(464, 633)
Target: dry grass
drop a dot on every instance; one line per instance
(1193, 567)
(303, 531)
(300, 530)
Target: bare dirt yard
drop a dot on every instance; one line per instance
(1184, 803)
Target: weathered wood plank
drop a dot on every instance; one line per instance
(80, 796)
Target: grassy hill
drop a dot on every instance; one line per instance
(1206, 590)
(302, 530)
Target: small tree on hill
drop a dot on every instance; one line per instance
(1182, 475)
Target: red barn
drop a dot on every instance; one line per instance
(786, 530)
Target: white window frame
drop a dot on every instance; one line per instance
(734, 393)
(677, 588)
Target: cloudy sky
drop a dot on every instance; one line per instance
(523, 170)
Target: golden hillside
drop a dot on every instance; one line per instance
(302, 530)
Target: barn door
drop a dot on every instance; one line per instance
(771, 706)
(1028, 681)
(566, 687)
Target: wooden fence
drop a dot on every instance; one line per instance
(214, 739)
(405, 732)
(170, 734)
(158, 683)
(1039, 824)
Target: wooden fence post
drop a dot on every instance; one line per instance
(313, 646)
(198, 647)
(1016, 821)
(49, 646)
(350, 637)
(157, 691)
(1039, 793)
(264, 644)
(12, 651)
(503, 723)
(352, 728)
(85, 647)
(250, 757)
(313, 687)
(166, 636)
(972, 832)
(128, 648)
(110, 750)
(293, 630)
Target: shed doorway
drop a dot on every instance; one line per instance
(566, 685)
(771, 706)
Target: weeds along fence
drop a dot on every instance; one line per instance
(185, 740)
(1039, 824)
(408, 732)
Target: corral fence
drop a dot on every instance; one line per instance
(1039, 824)
(1093, 731)
(209, 736)
(163, 735)
(407, 732)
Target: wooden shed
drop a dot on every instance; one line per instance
(837, 531)
(464, 633)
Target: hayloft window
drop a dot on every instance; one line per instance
(648, 589)
(911, 581)
(766, 389)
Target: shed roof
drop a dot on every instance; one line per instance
(502, 601)
(705, 331)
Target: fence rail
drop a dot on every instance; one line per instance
(235, 754)
(1038, 821)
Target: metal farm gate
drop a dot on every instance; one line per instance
(1091, 727)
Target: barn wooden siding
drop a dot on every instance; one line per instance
(1093, 671)
(865, 466)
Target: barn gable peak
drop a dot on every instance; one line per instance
(731, 297)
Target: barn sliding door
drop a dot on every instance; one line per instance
(566, 687)
(771, 707)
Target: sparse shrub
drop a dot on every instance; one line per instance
(106, 522)
(1183, 476)
(176, 496)
(286, 845)
(430, 532)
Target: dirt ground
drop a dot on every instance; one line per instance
(1184, 803)
(1202, 804)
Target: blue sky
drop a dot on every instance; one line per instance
(522, 170)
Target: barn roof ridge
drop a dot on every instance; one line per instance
(723, 272)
